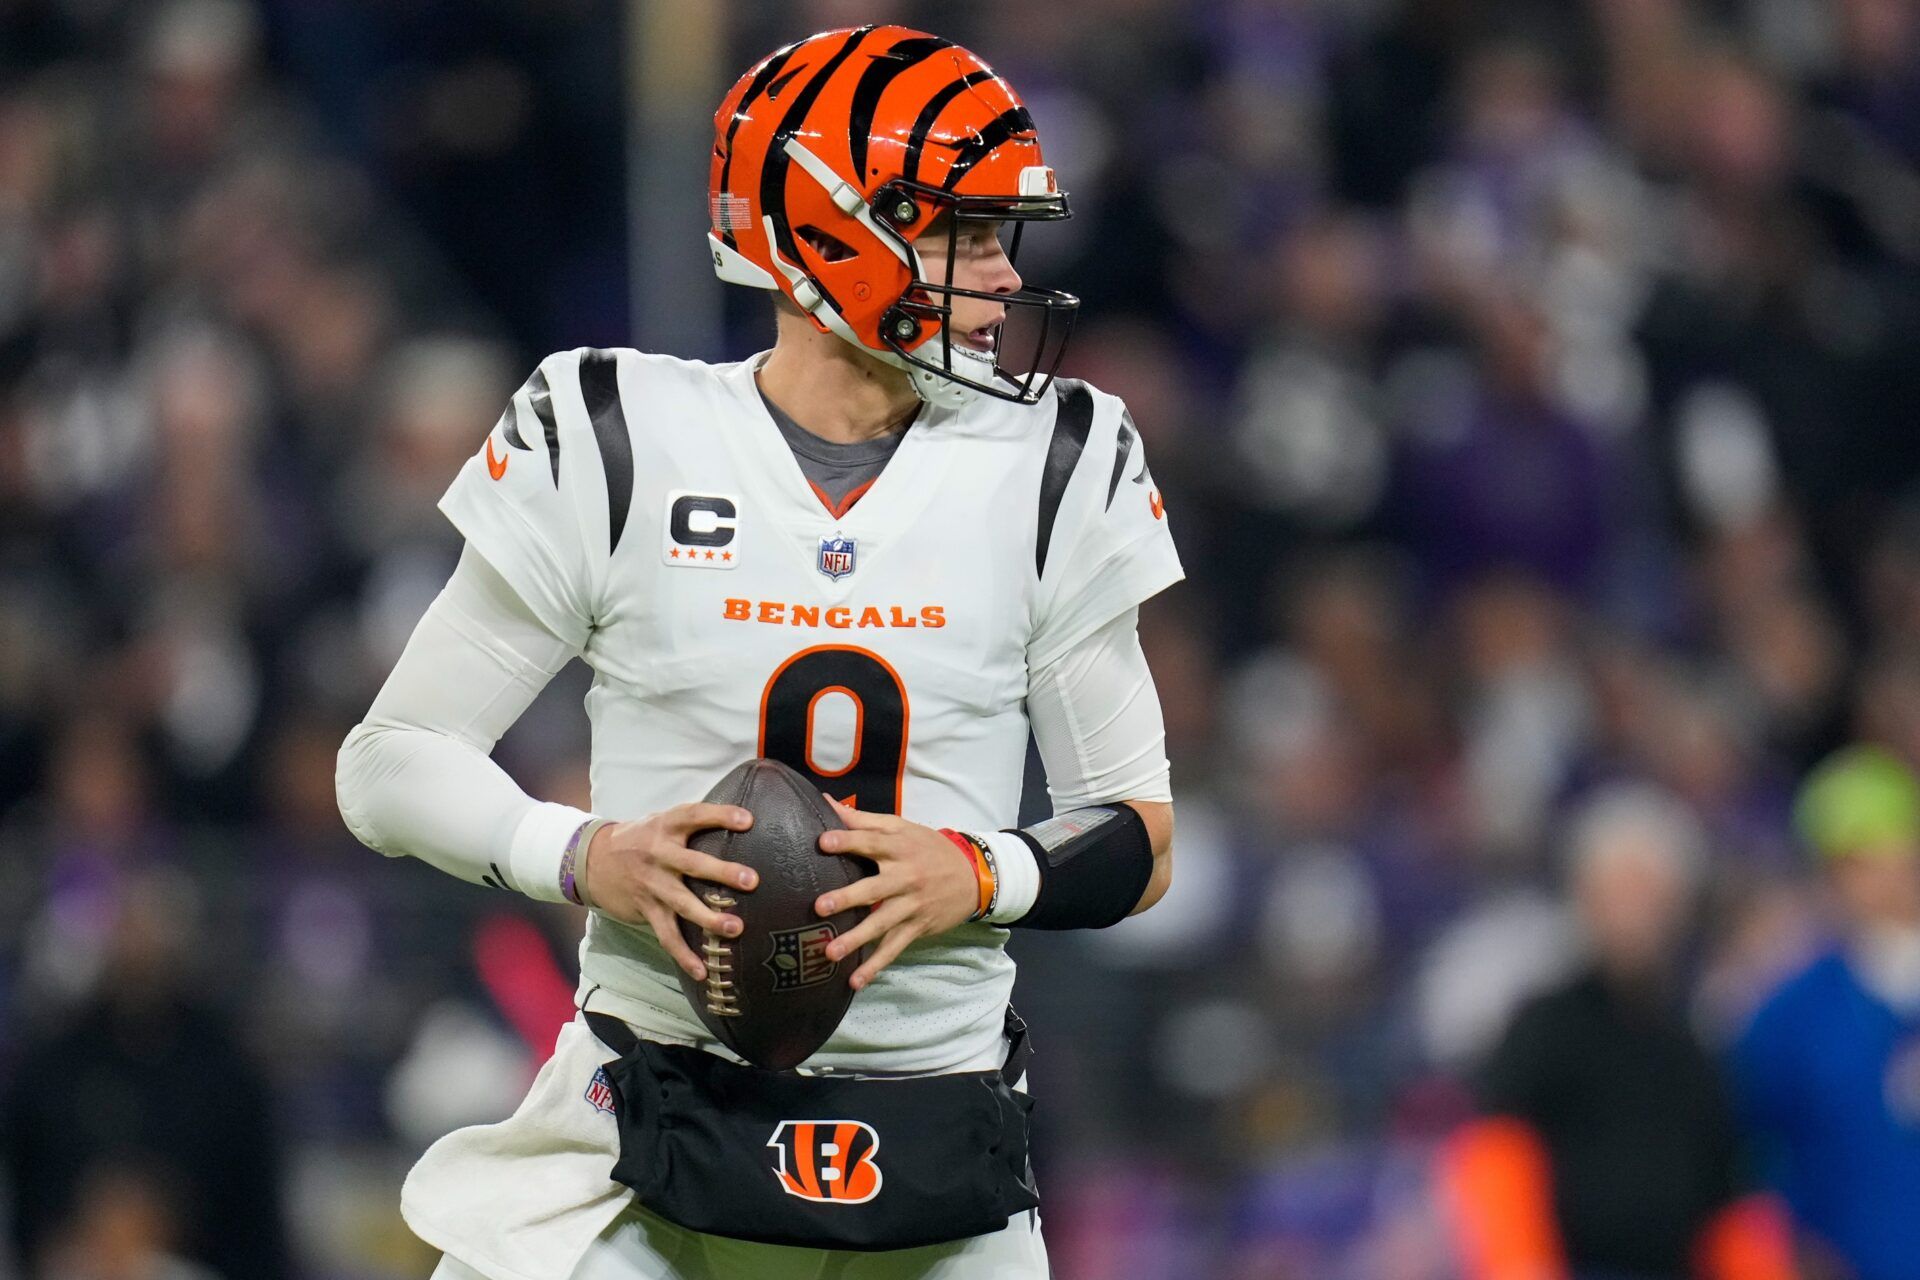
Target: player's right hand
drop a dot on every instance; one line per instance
(636, 873)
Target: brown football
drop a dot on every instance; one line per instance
(771, 994)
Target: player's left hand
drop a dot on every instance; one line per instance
(924, 886)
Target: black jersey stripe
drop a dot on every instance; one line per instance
(773, 170)
(880, 73)
(540, 397)
(1120, 452)
(754, 90)
(1071, 421)
(1009, 122)
(600, 390)
(917, 140)
(510, 420)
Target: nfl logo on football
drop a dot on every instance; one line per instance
(836, 557)
(799, 957)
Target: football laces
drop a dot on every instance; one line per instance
(718, 953)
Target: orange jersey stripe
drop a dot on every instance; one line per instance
(846, 504)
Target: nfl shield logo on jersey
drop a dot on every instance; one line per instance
(836, 557)
(600, 1091)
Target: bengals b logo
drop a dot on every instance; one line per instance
(827, 1161)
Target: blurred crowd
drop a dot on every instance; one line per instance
(1532, 385)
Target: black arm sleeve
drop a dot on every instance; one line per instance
(1094, 865)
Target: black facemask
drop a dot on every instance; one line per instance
(900, 205)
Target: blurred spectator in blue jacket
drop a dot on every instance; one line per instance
(1830, 1065)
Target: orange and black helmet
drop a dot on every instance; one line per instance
(832, 156)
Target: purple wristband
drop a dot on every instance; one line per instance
(576, 856)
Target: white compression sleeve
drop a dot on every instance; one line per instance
(1096, 717)
(414, 777)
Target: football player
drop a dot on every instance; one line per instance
(883, 552)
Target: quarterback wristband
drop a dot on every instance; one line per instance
(1016, 873)
(538, 847)
(1093, 865)
(981, 860)
(573, 862)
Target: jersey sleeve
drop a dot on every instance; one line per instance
(533, 500)
(1103, 543)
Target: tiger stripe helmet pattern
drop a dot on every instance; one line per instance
(835, 154)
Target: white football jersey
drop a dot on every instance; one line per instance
(648, 509)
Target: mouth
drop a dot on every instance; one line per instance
(984, 338)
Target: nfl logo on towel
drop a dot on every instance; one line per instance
(836, 557)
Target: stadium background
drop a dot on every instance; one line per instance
(1532, 386)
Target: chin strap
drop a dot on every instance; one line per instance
(943, 392)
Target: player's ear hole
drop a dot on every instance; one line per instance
(829, 247)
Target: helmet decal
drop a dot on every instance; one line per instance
(1012, 121)
(761, 79)
(880, 73)
(917, 140)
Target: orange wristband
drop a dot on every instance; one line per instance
(982, 870)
